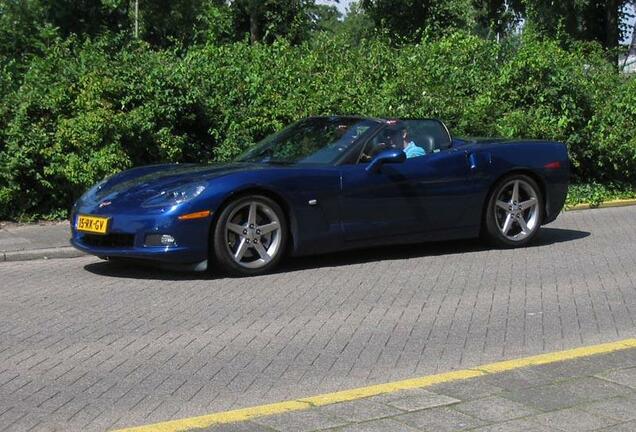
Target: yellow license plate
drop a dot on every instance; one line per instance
(92, 224)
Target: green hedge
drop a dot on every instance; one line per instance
(84, 110)
(597, 193)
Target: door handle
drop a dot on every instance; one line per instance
(471, 158)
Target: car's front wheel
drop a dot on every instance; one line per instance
(514, 212)
(250, 236)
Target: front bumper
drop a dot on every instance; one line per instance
(127, 233)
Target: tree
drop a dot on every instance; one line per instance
(357, 24)
(496, 17)
(215, 23)
(408, 19)
(162, 22)
(26, 26)
(20, 28)
(591, 20)
(354, 26)
(324, 17)
(265, 20)
(87, 17)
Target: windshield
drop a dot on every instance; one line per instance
(320, 140)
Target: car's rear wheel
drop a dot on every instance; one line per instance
(250, 236)
(514, 212)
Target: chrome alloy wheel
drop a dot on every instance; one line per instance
(517, 210)
(253, 234)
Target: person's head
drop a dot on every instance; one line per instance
(405, 137)
(341, 130)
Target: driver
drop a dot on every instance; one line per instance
(409, 146)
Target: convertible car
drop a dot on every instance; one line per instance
(325, 184)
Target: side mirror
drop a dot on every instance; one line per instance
(384, 157)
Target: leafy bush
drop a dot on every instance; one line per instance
(597, 193)
(611, 134)
(82, 110)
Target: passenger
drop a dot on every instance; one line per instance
(410, 148)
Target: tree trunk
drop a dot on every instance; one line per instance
(571, 18)
(612, 31)
(254, 26)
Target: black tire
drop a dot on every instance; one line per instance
(222, 241)
(493, 231)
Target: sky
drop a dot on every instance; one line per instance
(342, 5)
(632, 23)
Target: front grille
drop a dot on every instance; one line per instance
(113, 240)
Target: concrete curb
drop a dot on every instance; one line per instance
(33, 254)
(606, 204)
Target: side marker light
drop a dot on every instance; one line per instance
(195, 215)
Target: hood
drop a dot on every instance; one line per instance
(138, 184)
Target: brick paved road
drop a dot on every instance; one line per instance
(88, 346)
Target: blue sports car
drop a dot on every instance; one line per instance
(325, 184)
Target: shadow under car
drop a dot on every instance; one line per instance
(140, 269)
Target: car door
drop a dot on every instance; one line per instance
(421, 195)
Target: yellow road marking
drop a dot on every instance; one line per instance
(374, 390)
(378, 389)
(558, 356)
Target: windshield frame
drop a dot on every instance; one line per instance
(346, 155)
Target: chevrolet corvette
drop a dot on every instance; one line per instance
(325, 184)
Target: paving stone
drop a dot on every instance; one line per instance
(519, 379)
(494, 409)
(573, 420)
(580, 367)
(383, 425)
(360, 410)
(545, 398)
(247, 426)
(14, 237)
(519, 425)
(475, 388)
(566, 394)
(620, 408)
(402, 394)
(626, 377)
(594, 388)
(623, 427)
(300, 421)
(618, 359)
(423, 401)
(440, 420)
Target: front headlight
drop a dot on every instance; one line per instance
(174, 196)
